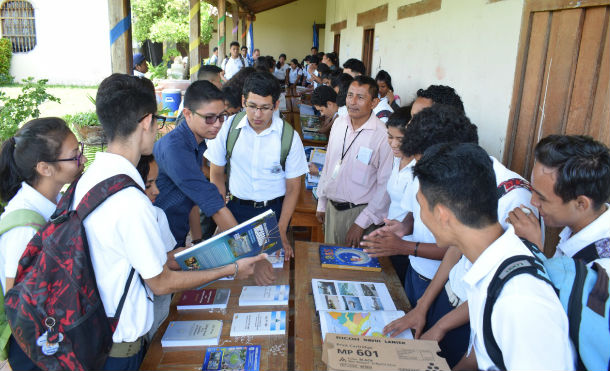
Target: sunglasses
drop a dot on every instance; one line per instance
(76, 158)
(211, 119)
(160, 119)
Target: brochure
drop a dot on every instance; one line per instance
(204, 299)
(259, 323)
(359, 323)
(351, 295)
(347, 258)
(192, 333)
(264, 295)
(246, 358)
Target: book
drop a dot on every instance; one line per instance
(314, 192)
(351, 295)
(347, 258)
(369, 323)
(264, 295)
(246, 358)
(252, 237)
(259, 323)
(192, 333)
(277, 261)
(204, 299)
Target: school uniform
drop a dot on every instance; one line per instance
(383, 111)
(123, 232)
(294, 75)
(395, 104)
(280, 73)
(597, 233)
(232, 65)
(257, 181)
(528, 322)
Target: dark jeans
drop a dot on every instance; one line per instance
(17, 358)
(126, 363)
(400, 263)
(415, 285)
(245, 212)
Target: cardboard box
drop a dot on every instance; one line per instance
(349, 353)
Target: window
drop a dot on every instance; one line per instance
(17, 18)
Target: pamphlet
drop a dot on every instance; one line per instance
(192, 333)
(259, 323)
(264, 295)
(246, 358)
(204, 299)
(359, 323)
(347, 258)
(351, 295)
(252, 237)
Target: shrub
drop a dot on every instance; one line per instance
(6, 53)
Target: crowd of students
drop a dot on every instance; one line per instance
(406, 182)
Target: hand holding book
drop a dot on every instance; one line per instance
(245, 266)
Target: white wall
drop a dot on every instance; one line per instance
(470, 45)
(72, 43)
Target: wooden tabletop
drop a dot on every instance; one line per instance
(307, 335)
(274, 349)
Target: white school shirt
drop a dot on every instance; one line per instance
(527, 320)
(600, 228)
(397, 183)
(122, 232)
(382, 106)
(232, 66)
(294, 75)
(280, 73)
(396, 99)
(256, 173)
(342, 111)
(14, 242)
(167, 238)
(506, 204)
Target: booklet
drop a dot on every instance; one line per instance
(351, 295)
(359, 323)
(192, 333)
(245, 358)
(204, 299)
(259, 323)
(252, 237)
(347, 258)
(264, 295)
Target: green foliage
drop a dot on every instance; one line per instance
(160, 71)
(82, 119)
(6, 53)
(16, 111)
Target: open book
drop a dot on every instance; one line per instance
(250, 238)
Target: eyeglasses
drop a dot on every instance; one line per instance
(76, 158)
(160, 119)
(211, 119)
(254, 107)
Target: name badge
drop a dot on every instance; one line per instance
(364, 155)
(276, 169)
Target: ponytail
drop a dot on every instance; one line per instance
(10, 178)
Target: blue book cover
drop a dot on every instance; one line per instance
(250, 238)
(246, 358)
(347, 258)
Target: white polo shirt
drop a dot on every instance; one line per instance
(599, 229)
(123, 232)
(280, 73)
(382, 106)
(527, 320)
(232, 66)
(167, 238)
(256, 173)
(14, 242)
(398, 182)
(294, 75)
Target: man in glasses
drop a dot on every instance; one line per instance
(259, 176)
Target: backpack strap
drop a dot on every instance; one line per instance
(287, 136)
(21, 218)
(101, 191)
(232, 136)
(383, 114)
(509, 268)
(595, 250)
(512, 184)
(599, 294)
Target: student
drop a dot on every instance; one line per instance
(459, 203)
(281, 69)
(232, 64)
(295, 74)
(386, 90)
(264, 64)
(341, 85)
(571, 182)
(354, 67)
(441, 94)
(35, 164)
(331, 60)
(140, 65)
(314, 51)
(383, 110)
(246, 57)
(257, 180)
(211, 73)
(255, 54)
(352, 195)
(123, 232)
(232, 98)
(324, 100)
(312, 72)
(213, 61)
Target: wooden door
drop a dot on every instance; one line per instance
(561, 79)
(337, 43)
(367, 49)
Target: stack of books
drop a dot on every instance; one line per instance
(316, 156)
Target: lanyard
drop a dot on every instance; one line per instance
(343, 150)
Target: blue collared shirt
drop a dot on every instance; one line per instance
(181, 182)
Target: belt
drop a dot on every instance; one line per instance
(342, 206)
(257, 204)
(126, 349)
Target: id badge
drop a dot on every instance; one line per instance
(336, 170)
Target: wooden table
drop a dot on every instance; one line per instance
(274, 349)
(305, 214)
(307, 335)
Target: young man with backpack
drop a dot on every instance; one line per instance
(459, 203)
(233, 63)
(259, 157)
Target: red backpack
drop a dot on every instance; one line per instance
(55, 310)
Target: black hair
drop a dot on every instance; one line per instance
(442, 94)
(323, 68)
(244, 47)
(121, 101)
(461, 177)
(320, 55)
(582, 165)
(322, 95)
(38, 140)
(355, 65)
(343, 82)
(264, 64)
(233, 43)
(296, 62)
(237, 81)
(263, 84)
(200, 92)
(282, 55)
(232, 96)
(314, 47)
(314, 59)
(367, 80)
(215, 49)
(143, 166)
(337, 79)
(208, 71)
(333, 58)
(385, 77)
(400, 118)
(435, 125)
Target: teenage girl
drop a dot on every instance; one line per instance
(386, 90)
(295, 74)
